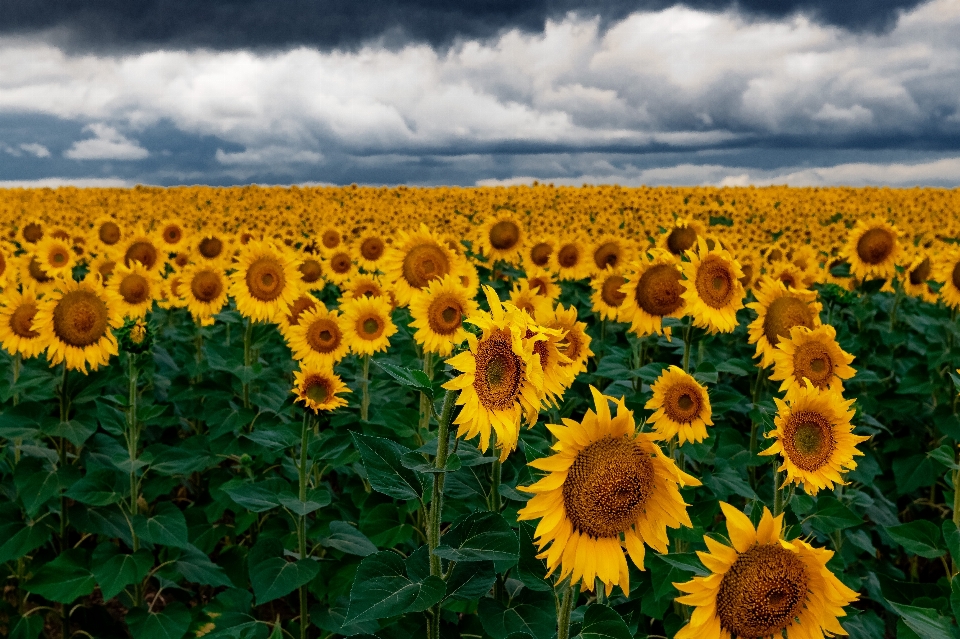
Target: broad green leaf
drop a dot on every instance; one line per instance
(316, 499)
(385, 472)
(919, 537)
(115, 570)
(415, 461)
(167, 528)
(951, 534)
(832, 516)
(26, 540)
(603, 622)
(37, 487)
(28, 627)
(254, 497)
(197, 568)
(955, 597)
(530, 570)
(348, 539)
(470, 580)
(481, 536)
(410, 377)
(95, 489)
(927, 623)
(276, 577)
(20, 422)
(171, 623)
(706, 374)
(916, 471)
(382, 589)
(945, 456)
(76, 432)
(64, 579)
(687, 562)
(499, 622)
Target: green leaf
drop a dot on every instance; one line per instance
(955, 597)
(603, 622)
(500, 622)
(76, 432)
(687, 562)
(470, 580)
(706, 374)
(167, 528)
(197, 568)
(951, 535)
(38, 486)
(115, 571)
(382, 589)
(257, 498)
(26, 540)
(481, 536)
(348, 539)
(385, 472)
(531, 571)
(919, 537)
(913, 472)
(315, 501)
(926, 622)
(410, 377)
(28, 627)
(64, 579)
(415, 461)
(20, 422)
(832, 516)
(95, 489)
(276, 577)
(171, 623)
(945, 456)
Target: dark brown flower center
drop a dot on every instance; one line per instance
(37, 272)
(109, 233)
(607, 254)
(141, 251)
(812, 360)
(300, 305)
(683, 402)
(423, 263)
(921, 272)
(782, 315)
(210, 247)
(568, 256)
(371, 327)
(206, 286)
(808, 440)
(341, 263)
(610, 291)
(310, 270)
(540, 253)
(172, 234)
(875, 245)
(499, 372)
(714, 282)
(317, 388)
(134, 289)
(324, 336)
(372, 248)
(504, 235)
(445, 315)
(330, 239)
(80, 318)
(659, 290)
(681, 238)
(33, 232)
(265, 279)
(21, 320)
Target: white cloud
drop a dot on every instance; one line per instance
(56, 182)
(932, 173)
(36, 150)
(108, 144)
(677, 79)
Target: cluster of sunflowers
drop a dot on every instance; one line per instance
(77, 265)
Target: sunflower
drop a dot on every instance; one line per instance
(815, 438)
(501, 381)
(814, 355)
(104, 265)
(136, 287)
(872, 249)
(916, 275)
(712, 289)
(610, 252)
(311, 271)
(143, 248)
(571, 260)
(607, 298)
(574, 343)
(107, 231)
(32, 231)
(788, 273)
(948, 271)
(762, 585)
(469, 279)
(264, 283)
(369, 249)
(542, 283)
(415, 259)
(74, 321)
(537, 254)
(318, 337)
(204, 290)
(682, 407)
(682, 236)
(5, 269)
(438, 312)
(211, 247)
(330, 239)
(318, 388)
(171, 293)
(306, 302)
(31, 272)
(654, 290)
(172, 233)
(501, 237)
(55, 256)
(339, 266)
(367, 326)
(525, 299)
(16, 323)
(778, 310)
(609, 488)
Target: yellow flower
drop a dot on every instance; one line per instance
(682, 236)
(203, 288)
(369, 250)
(815, 438)
(609, 488)
(318, 388)
(948, 271)
(682, 407)
(438, 312)
(762, 585)
(142, 247)
(501, 381)
(607, 298)
(136, 287)
(872, 249)
(55, 257)
(414, 260)
(814, 355)
(526, 299)
(712, 289)
(501, 237)
(264, 284)
(574, 342)
(367, 326)
(653, 291)
(16, 322)
(571, 261)
(74, 322)
(339, 267)
(778, 310)
(318, 337)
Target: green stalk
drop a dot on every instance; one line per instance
(956, 507)
(303, 472)
(436, 506)
(777, 493)
(495, 475)
(365, 385)
(426, 406)
(133, 445)
(686, 345)
(564, 610)
(64, 417)
(17, 442)
(247, 338)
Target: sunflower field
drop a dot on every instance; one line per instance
(544, 412)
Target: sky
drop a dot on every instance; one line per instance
(813, 92)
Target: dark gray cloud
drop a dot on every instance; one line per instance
(225, 24)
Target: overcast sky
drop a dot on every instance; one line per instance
(432, 92)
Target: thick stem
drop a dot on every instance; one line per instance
(777, 493)
(436, 506)
(247, 338)
(133, 451)
(956, 507)
(426, 406)
(754, 427)
(64, 543)
(496, 471)
(686, 345)
(365, 385)
(563, 613)
(17, 442)
(304, 473)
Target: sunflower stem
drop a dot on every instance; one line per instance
(956, 508)
(496, 472)
(247, 338)
(777, 493)
(64, 414)
(133, 445)
(18, 441)
(893, 310)
(564, 610)
(365, 386)
(686, 346)
(426, 405)
(303, 473)
(436, 506)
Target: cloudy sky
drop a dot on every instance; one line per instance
(809, 92)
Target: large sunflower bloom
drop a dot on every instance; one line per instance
(318, 388)
(607, 299)
(654, 291)
(55, 256)
(318, 337)
(136, 287)
(712, 289)
(815, 438)
(762, 585)
(778, 310)
(264, 283)
(501, 381)
(16, 323)
(682, 407)
(74, 322)
(415, 259)
(438, 312)
(811, 354)
(948, 271)
(501, 237)
(366, 325)
(203, 287)
(872, 249)
(574, 343)
(609, 488)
